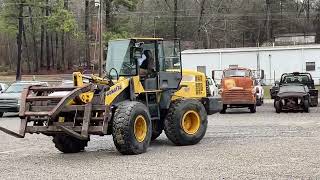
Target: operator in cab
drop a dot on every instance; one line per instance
(146, 63)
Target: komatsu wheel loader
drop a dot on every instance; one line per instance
(132, 106)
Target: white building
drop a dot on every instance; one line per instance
(273, 60)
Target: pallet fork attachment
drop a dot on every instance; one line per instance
(50, 118)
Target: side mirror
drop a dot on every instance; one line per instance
(212, 75)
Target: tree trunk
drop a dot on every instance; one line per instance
(317, 25)
(65, 5)
(58, 59)
(52, 51)
(175, 16)
(268, 23)
(26, 49)
(70, 59)
(42, 43)
(35, 48)
(47, 39)
(108, 7)
(87, 39)
(62, 49)
(202, 8)
(19, 41)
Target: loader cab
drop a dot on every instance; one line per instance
(126, 58)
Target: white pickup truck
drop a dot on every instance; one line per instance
(259, 93)
(213, 87)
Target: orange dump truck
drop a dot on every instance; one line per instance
(237, 89)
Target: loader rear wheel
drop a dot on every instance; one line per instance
(186, 122)
(131, 129)
(68, 144)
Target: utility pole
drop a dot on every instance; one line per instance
(19, 41)
(175, 12)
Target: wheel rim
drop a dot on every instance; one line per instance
(191, 122)
(140, 128)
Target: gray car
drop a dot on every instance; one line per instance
(11, 97)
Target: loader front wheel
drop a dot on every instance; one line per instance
(132, 128)
(68, 144)
(186, 122)
(1, 114)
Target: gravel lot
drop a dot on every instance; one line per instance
(238, 145)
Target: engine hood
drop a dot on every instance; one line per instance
(292, 90)
(10, 95)
(237, 83)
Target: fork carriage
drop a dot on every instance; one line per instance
(51, 115)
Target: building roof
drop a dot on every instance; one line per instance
(250, 49)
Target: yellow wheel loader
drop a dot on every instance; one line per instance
(144, 92)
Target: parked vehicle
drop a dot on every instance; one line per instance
(274, 89)
(3, 87)
(237, 89)
(259, 93)
(292, 96)
(297, 78)
(10, 99)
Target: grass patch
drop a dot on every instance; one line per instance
(267, 92)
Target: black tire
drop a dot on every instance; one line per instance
(157, 128)
(253, 108)
(224, 109)
(1, 114)
(123, 133)
(259, 102)
(69, 144)
(278, 106)
(173, 123)
(306, 106)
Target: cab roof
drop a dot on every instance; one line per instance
(140, 39)
(146, 38)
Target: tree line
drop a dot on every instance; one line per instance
(59, 36)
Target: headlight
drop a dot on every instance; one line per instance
(19, 102)
(253, 91)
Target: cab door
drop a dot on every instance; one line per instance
(170, 71)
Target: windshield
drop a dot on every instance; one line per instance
(169, 55)
(237, 73)
(118, 59)
(303, 79)
(16, 88)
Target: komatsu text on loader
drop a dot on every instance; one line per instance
(144, 92)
